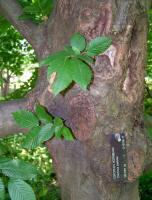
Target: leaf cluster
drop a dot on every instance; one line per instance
(36, 10)
(42, 127)
(73, 63)
(18, 171)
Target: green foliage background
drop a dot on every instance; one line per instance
(145, 181)
(44, 185)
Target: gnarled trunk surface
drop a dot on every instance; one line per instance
(113, 103)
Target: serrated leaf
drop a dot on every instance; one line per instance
(58, 124)
(55, 59)
(31, 140)
(98, 46)
(78, 42)
(2, 190)
(4, 160)
(45, 133)
(67, 68)
(86, 58)
(63, 78)
(81, 73)
(67, 134)
(42, 113)
(58, 135)
(71, 70)
(25, 119)
(18, 169)
(20, 190)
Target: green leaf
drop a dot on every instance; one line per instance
(18, 169)
(69, 51)
(4, 25)
(26, 16)
(32, 10)
(25, 119)
(20, 190)
(98, 46)
(58, 135)
(68, 71)
(81, 73)
(67, 134)
(3, 149)
(42, 113)
(31, 140)
(46, 6)
(1, 81)
(63, 79)
(45, 133)
(78, 42)
(58, 124)
(56, 59)
(4, 160)
(68, 67)
(150, 132)
(86, 58)
(2, 190)
(76, 51)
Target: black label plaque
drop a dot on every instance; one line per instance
(119, 157)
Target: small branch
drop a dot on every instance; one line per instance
(7, 124)
(11, 10)
(148, 90)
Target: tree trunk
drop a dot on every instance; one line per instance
(113, 103)
(6, 83)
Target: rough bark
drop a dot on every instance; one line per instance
(113, 103)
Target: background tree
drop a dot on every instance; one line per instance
(113, 103)
(15, 53)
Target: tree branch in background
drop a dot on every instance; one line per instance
(11, 10)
